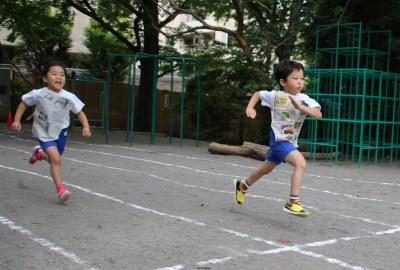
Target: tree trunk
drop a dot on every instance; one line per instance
(143, 106)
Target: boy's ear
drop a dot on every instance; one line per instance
(282, 82)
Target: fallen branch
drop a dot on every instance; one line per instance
(258, 151)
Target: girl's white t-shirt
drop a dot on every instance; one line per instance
(52, 111)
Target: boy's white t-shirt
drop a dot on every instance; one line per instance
(52, 111)
(286, 121)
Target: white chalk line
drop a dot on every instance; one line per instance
(233, 176)
(324, 176)
(220, 191)
(45, 243)
(223, 191)
(281, 248)
(229, 164)
(216, 260)
(241, 166)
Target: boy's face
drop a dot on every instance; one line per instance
(55, 78)
(294, 82)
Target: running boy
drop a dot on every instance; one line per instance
(51, 121)
(289, 109)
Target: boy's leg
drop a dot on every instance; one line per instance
(242, 185)
(293, 205)
(296, 159)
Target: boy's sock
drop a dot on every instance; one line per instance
(244, 185)
(293, 198)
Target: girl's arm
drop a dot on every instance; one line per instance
(85, 124)
(16, 125)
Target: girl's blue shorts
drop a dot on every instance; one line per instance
(59, 143)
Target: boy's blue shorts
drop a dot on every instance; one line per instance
(59, 143)
(279, 150)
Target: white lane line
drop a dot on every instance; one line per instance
(323, 176)
(281, 247)
(228, 175)
(227, 192)
(45, 243)
(211, 160)
(242, 166)
(143, 150)
(213, 190)
(231, 175)
(221, 191)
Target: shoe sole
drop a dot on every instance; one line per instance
(298, 214)
(235, 187)
(65, 196)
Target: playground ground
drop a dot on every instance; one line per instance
(163, 206)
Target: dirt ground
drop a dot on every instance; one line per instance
(165, 206)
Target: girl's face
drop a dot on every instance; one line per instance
(294, 82)
(55, 78)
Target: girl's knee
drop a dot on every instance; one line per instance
(55, 160)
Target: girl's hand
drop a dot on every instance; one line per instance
(86, 132)
(16, 125)
(250, 112)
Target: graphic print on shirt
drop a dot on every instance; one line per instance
(286, 120)
(50, 113)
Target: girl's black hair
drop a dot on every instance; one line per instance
(46, 68)
(285, 68)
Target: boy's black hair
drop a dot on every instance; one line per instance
(47, 67)
(284, 68)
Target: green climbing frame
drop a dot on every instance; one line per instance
(360, 98)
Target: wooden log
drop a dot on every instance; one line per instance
(258, 151)
(224, 149)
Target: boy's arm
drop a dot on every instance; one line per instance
(250, 112)
(16, 125)
(85, 124)
(313, 112)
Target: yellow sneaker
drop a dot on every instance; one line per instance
(239, 193)
(295, 208)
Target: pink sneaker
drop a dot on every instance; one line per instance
(63, 195)
(36, 155)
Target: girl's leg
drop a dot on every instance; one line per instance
(53, 157)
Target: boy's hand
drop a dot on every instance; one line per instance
(16, 125)
(86, 132)
(250, 112)
(295, 104)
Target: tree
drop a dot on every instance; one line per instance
(101, 44)
(41, 28)
(374, 15)
(144, 23)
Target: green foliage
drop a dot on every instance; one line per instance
(41, 29)
(226, 89)
(101, 45)
(374, 16)
(19, 87)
